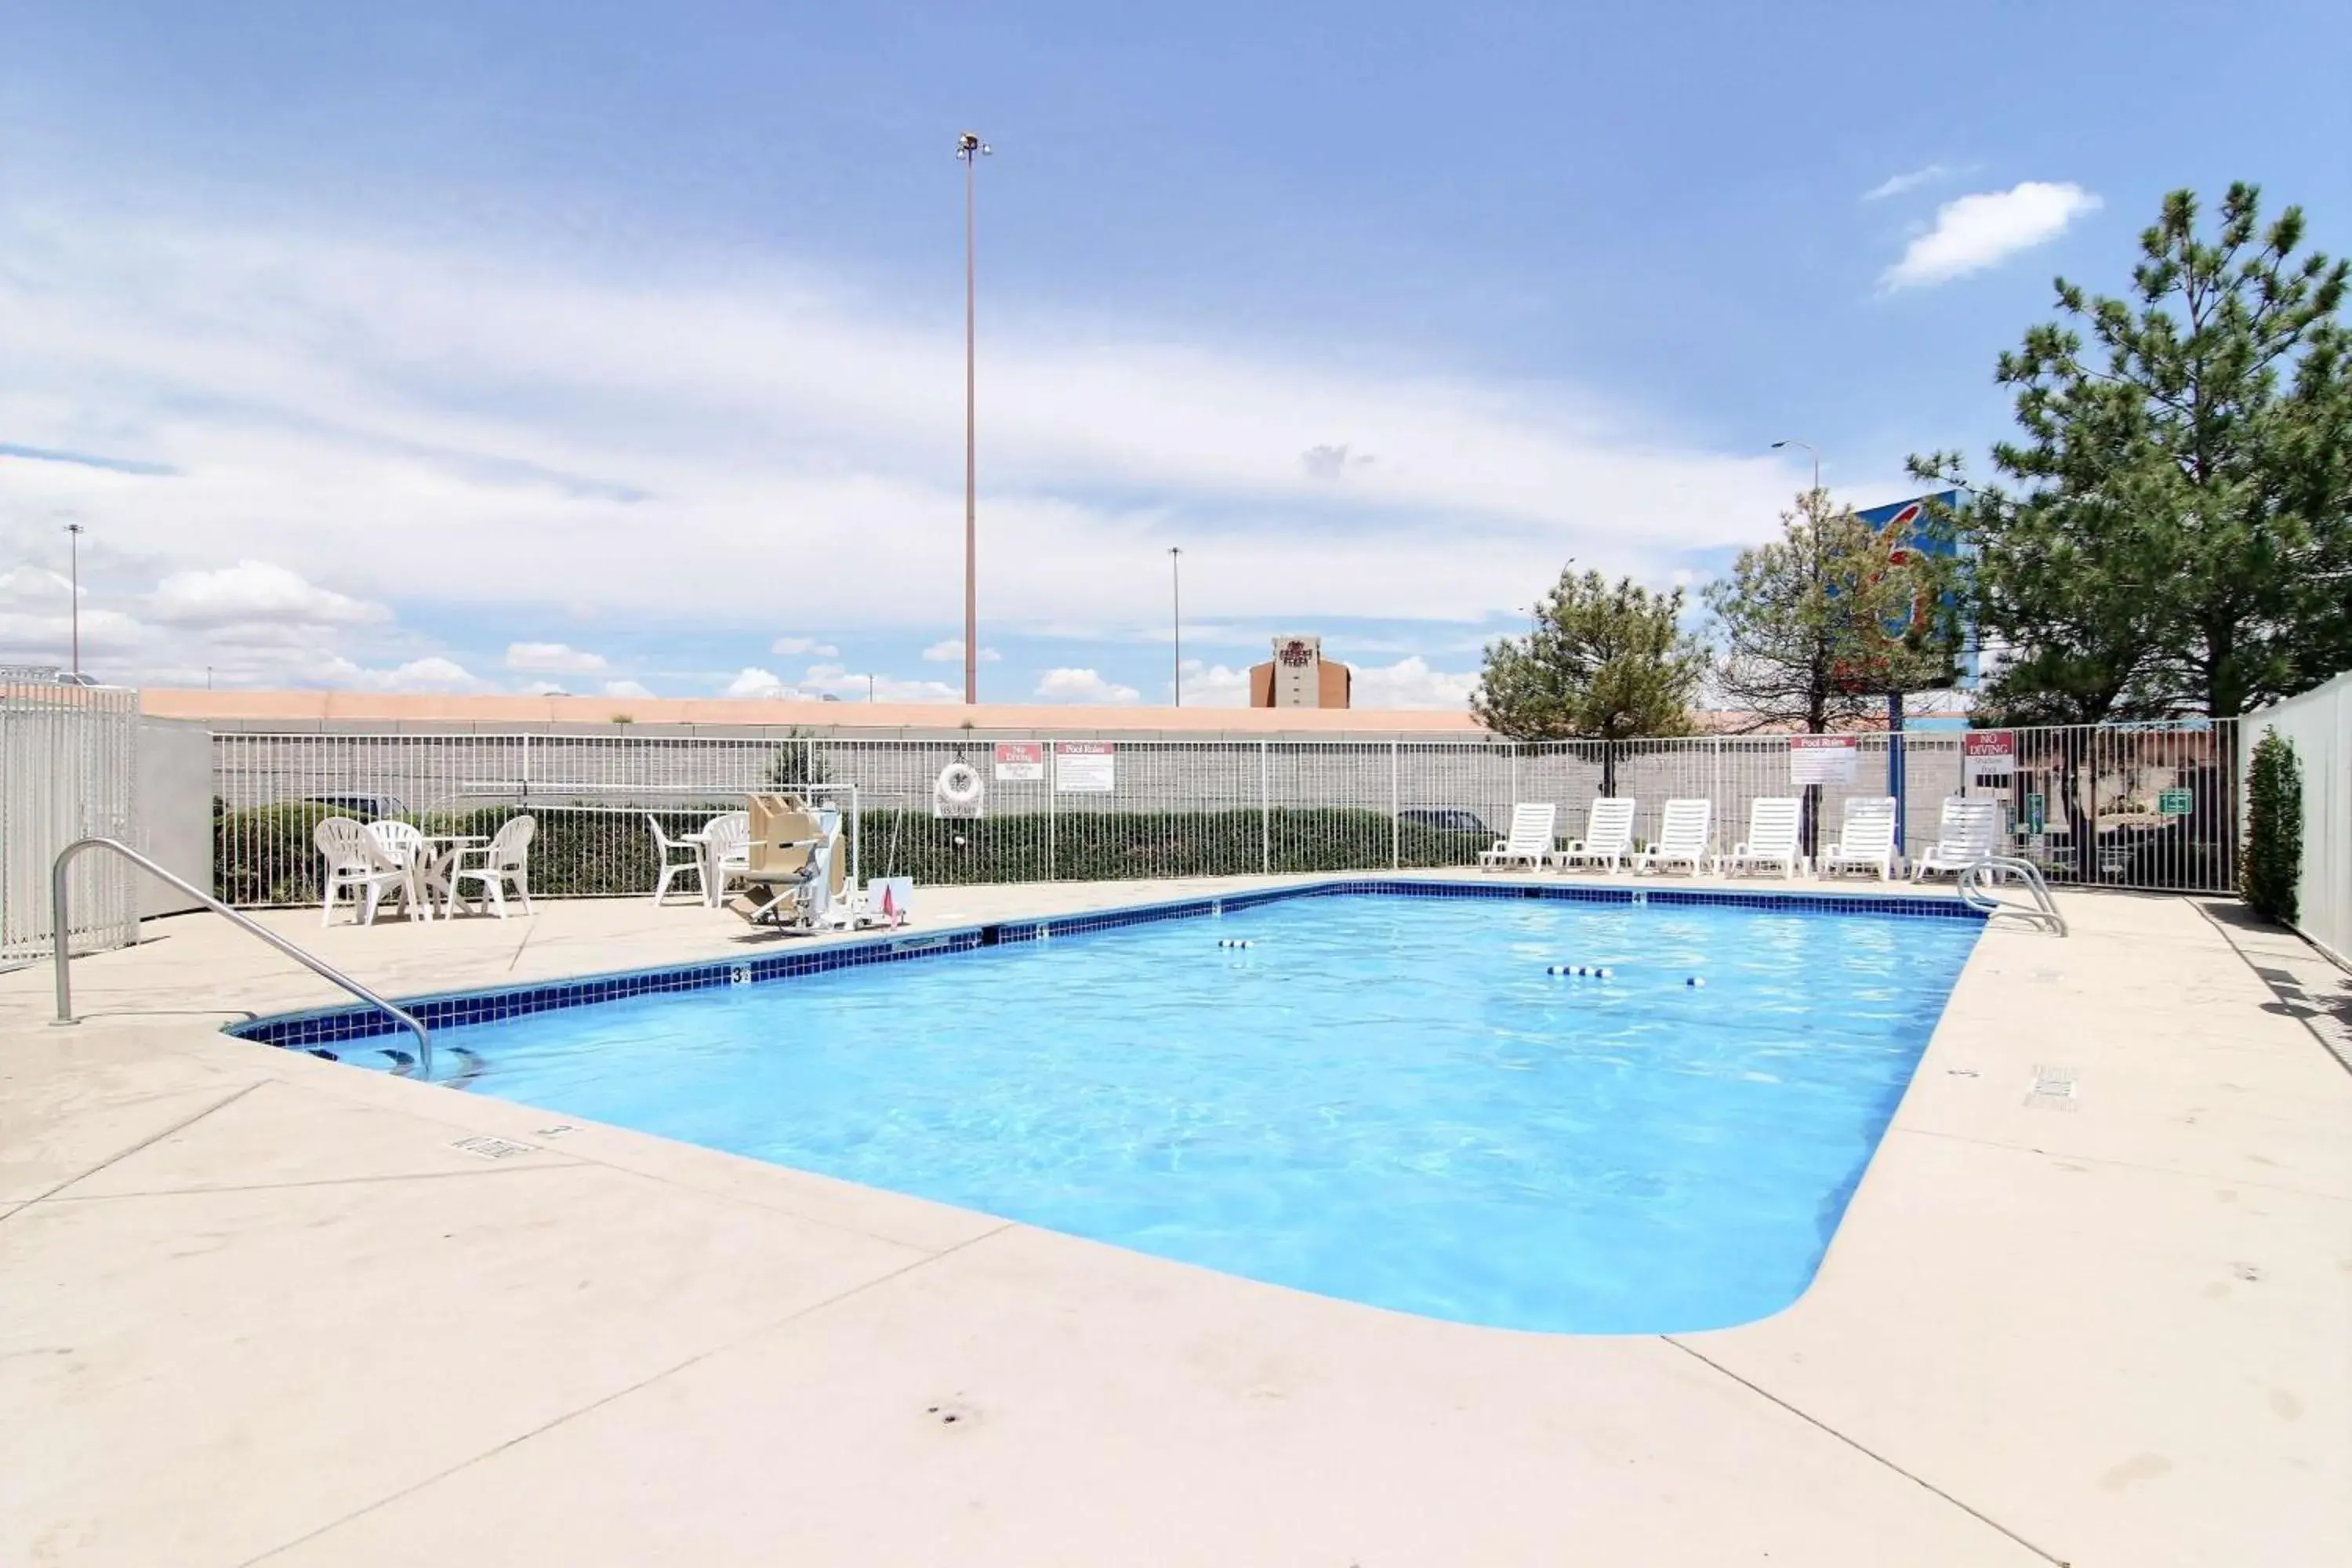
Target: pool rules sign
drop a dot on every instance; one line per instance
(1086, 767)
(1823, 759)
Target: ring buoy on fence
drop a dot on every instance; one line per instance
(957, 790)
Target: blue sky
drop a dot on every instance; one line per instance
(609, 345)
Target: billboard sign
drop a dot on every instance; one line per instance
(1909, 527)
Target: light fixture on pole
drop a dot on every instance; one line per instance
(73, 548)
(1176, 614)
(1808, 445)
(971, 150)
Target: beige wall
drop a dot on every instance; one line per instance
(347, 710)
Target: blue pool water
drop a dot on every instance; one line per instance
(1380, 1098)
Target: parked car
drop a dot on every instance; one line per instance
(366, 807)
(1446, 819)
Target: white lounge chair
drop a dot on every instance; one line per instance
(666, 862)
(1866, 841)
(1774, 824)
(1530, 840)
(1967, 836)
(1685, 838)
(359, 864)
(503, 862)
(1608, 836)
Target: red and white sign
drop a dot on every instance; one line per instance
(1084, 767)
(1823, 759)
(1991, 756)
(1020, 762)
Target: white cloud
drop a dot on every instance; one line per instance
(30, 637)
(469, 426)
(1974, 232)
(1894, 185)
(553, 658)
(1082, 686)
(545, 689)
(753, 682)
(1214, 685)
(624, 689)
(793, 647)
(254, 592)
(433, 673)
(853, 686)
(950, 650)
(1412, 683)
(37, 588)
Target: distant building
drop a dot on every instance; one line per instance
(1298, 676)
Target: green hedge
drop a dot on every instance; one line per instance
(2274, 860)
(266, 855)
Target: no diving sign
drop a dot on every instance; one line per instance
(1991, 756)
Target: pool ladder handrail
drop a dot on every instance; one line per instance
(1984, 873)
(318, 966)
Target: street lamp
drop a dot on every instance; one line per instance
(73, 548)
(1176, 603)
(1808, 445)
(969, 150)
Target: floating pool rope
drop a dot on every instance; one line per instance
(1577, 971)
(1232, 942)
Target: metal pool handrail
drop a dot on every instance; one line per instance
(1981, 874)
(316, 965)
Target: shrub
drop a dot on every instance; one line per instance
(2274, 859)
(265, 855)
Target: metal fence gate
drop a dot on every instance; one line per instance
(2153, 807)
(68, 769)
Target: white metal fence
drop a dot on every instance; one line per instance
(68, 769)
(2145, 807)
(2319, 724)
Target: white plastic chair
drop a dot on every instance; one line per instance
(666, 852)
(1685, 838)
(1866, 841)
(1774, 824)
(1966, 836)
(504, 862)
(1608, 834)
(726, 841)
(1530, 840)
(404, 844)
(357, 863)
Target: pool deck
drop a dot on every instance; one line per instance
(257, 1307)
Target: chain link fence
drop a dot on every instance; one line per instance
(2150, 808)
(69, 770)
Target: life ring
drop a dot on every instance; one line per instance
(959, 785)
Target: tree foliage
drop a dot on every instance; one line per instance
(1601, 663)
(1818, 624)
(2272, 865)
(2180, 538)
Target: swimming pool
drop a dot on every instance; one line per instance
(1380, 1098)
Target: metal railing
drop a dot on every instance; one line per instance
(69, 770)
(58, 892)
(2148, 807)
(1979, 879)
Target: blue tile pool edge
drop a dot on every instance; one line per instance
(359, 1020)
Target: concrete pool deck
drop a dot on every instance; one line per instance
(257, 1307)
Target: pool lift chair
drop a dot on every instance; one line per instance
(796, 878)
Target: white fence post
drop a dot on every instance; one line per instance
(1396, 815)
(1265, 814)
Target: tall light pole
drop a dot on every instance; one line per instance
(971, 150)
(73, 549)
(1176, 613)
(1808, 445)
